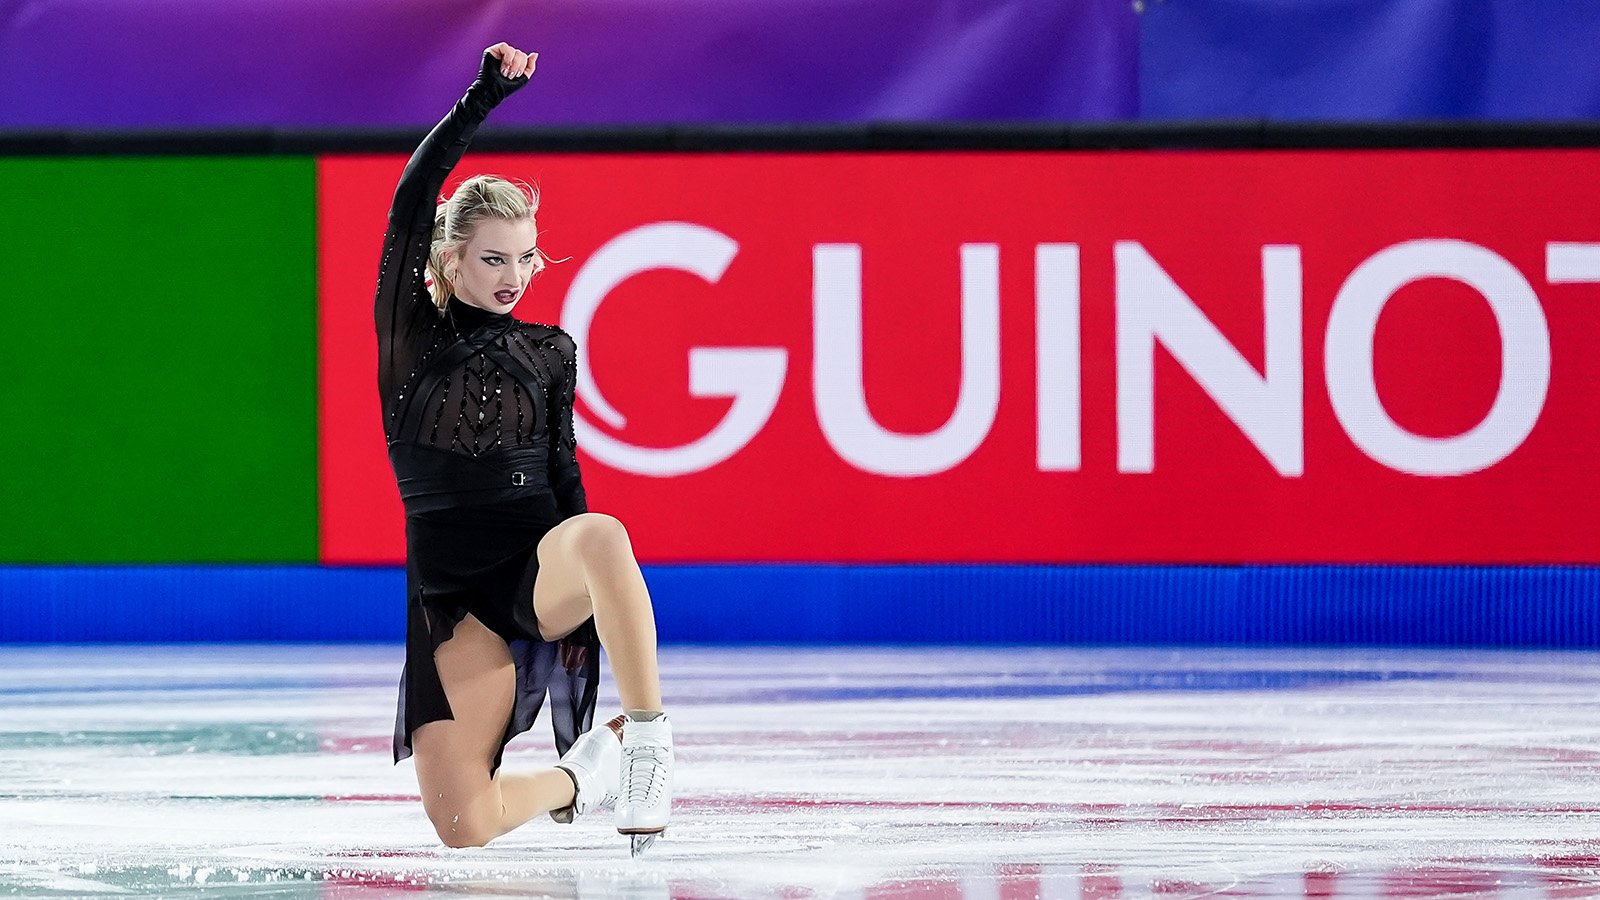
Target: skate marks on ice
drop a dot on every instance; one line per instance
(877, 773)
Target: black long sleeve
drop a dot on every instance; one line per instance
(402, 310)
(467, 381)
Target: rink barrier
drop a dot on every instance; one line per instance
(1456, 606)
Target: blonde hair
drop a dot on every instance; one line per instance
(476, 199)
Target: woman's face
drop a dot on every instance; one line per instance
(497, 263)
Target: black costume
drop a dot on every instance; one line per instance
(477, 411)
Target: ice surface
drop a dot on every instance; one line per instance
(862, 773)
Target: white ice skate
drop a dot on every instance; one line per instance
(646, 796)
(595, 762)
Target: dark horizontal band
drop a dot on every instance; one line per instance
(1250, 134)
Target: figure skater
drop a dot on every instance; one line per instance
(512, 584)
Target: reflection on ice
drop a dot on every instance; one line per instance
(265, 772)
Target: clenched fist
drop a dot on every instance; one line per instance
(513, 62)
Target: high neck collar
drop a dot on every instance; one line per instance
(469, 318)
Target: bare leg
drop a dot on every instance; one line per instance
(587, 568)
(467, 807)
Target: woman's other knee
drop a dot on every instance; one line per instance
(452, 758)
(463, 824)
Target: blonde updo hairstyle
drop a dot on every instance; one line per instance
(476, 199)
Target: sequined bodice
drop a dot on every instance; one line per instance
(475, 385)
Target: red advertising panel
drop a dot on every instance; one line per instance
(1380, 356)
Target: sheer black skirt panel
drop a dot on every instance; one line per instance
(483, 560)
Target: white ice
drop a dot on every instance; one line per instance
(869, 772)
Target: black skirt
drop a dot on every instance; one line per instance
(482, 559)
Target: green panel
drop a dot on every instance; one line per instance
(159, 360)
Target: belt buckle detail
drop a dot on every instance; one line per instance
(518, 478)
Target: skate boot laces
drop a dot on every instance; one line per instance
(646, 768)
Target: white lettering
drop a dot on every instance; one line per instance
(1524, 357)
(1060, 357)
(840, 394)
(1572, 263)
(1269, 409)
(752, 376)
(1151, 309)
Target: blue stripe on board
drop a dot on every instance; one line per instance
(1511, 606)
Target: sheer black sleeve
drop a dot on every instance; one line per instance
(566, 482)
(402, 311)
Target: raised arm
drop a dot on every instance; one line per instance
(402, 309)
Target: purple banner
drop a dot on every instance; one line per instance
(1370, 59)
(322, 63)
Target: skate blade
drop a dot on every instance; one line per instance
(642, 842)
